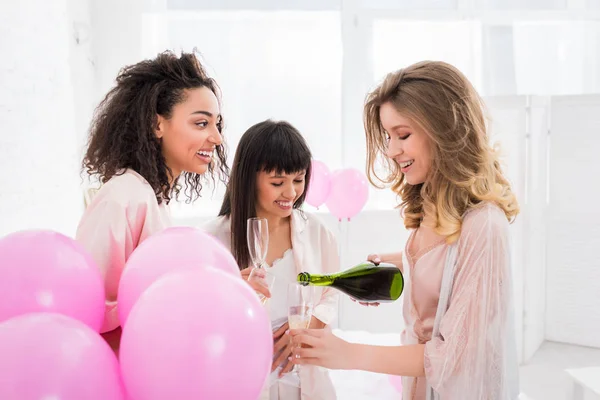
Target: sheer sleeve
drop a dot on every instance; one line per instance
(474, 358)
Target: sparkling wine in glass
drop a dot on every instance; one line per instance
(300, 311)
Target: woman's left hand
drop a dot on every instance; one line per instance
(323, 349)
(282, 347)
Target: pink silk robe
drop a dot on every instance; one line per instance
(121, 215)
(474, 355)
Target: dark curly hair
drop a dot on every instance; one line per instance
(122, 132)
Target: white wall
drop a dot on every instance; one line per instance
(39, 153)
(573, 269)
(117, 30)
(59, 59)
(508, 128)
(83, 65)
(535, 206)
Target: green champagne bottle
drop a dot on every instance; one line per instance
(365, 282)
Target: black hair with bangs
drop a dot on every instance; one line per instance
(267, 146)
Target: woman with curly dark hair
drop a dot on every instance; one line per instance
(159, 126)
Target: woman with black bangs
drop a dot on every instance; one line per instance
(269, 179)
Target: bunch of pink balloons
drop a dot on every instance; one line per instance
(175, 248)
(51, 309)
(52, 356)
(45, 271)
(345, 191)
(197, 334)
(320, 184)
(191, 325)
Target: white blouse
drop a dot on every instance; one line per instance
(314, 250)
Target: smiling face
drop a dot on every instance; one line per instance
(276, 192)
(407, 144)
(191, 134)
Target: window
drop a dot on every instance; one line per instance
(400, 43)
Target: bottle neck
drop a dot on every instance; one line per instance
(314, 279)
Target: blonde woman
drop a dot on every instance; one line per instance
(426, 122)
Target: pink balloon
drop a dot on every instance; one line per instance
(51, 356)
(199, 334)
(396, 382)
(170, 249)
(45, 271)
(349, 193)
(320, 184)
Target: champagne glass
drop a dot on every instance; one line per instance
(258, 244)
(300, 311)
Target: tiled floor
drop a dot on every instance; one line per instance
(542, 378)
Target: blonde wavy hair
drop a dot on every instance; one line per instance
(465, 168)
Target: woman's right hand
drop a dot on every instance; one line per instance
(255, 283)
(375, 259)
(246, 273)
